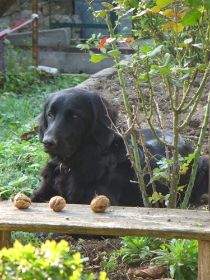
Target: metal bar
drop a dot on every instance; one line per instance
(35, 58)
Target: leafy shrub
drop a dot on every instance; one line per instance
(181, 257)
(51, 261)
(135, 249)
(22, 78)
(110, 262)
(176, 56)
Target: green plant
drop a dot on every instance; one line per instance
(110, 263)
(180, 256)
(176, 56)
(20, 165)
(51, 261)
(136, 249)
(26, 237)
(22, 78)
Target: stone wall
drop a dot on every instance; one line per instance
(61, 9)
(73, 14)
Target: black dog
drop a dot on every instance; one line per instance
(88, 157)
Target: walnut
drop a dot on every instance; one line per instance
(21, 201)
(100, 203)
(57, 203)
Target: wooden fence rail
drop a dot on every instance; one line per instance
(116, 221)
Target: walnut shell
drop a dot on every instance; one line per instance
(22, 201)
(57, 203)
(100, 203)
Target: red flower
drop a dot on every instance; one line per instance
(102, 42)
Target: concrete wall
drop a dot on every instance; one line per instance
(55, 50)
(72, 62)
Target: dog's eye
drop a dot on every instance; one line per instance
(50, 115)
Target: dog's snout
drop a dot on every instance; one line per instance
(49, 142)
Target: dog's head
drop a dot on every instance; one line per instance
(72, 118)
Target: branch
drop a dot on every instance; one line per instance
(197, 155)
(196, 99)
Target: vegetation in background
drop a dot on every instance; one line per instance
(138, 249)
(181, 258)
(175, 56)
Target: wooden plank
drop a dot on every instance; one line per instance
(5, 239)
(204, 260)
(118, 221)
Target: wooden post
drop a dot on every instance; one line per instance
(35, 34)
(5, 239)
(204, 260)
(209, 144)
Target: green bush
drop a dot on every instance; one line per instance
(51, 261)
(180, 256)
(136, 249)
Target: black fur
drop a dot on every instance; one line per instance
(88, 157)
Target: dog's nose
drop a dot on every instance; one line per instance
(49, 142)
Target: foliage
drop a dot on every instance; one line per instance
(20, 165)
(26, 237)
(110, 262)
(51, 261)
(176, 55)
(136, 249)
(22, 78)
(180, 256)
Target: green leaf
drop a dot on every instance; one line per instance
(115, 53)
(145, 48)
(107, 5)
(188, 41)
(195, 3)
(163, 3)
(95, 58)
(191, 18)
(176, 83)
(156, 196)
(155, 52)
(161, 69)
(207, 4)
(167, 59)
(100, 14)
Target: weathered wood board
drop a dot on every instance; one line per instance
(119, 221)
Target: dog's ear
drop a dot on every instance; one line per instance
(43, 122)
(104, 116)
